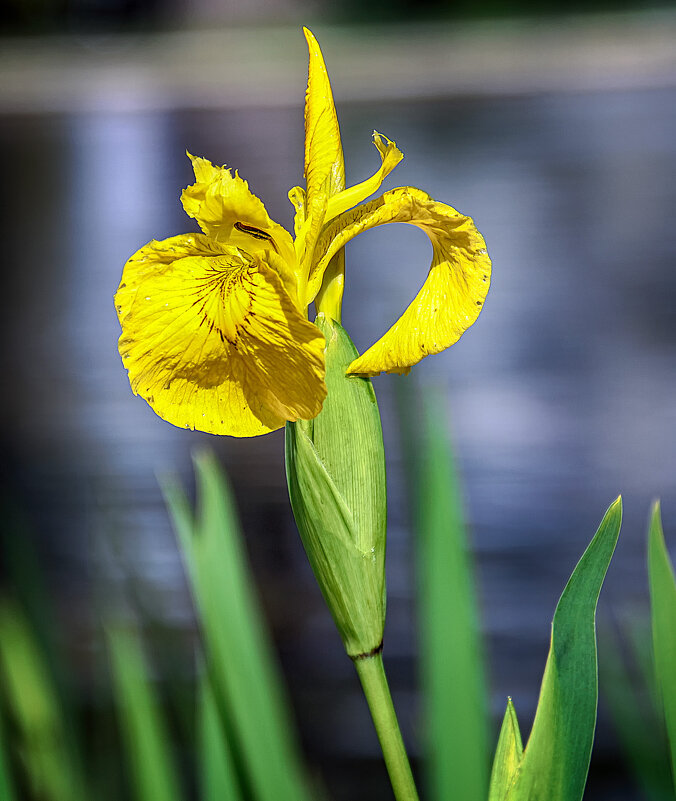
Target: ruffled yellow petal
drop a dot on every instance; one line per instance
(390, 156)
(213, 341)
(453, 293)
(227, 211)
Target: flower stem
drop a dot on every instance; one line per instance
(329, 299)
(376, 689)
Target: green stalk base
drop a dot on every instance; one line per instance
(376, 689)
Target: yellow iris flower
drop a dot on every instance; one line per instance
(215, 333)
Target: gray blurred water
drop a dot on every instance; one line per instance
(559, 398)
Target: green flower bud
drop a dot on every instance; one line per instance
(335, 468)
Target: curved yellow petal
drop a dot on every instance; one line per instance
(157, 257)
(390, 156)
(228, 211)
(213, 341)
(306, 238)
(453, 293)
(324, 165)
(297, 198)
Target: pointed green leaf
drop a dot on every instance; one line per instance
(639, 632)
(144, 730)
(218, 775)
(245, 679)
(507, 755)
(6, 782)
(182, 520)
(453, 676)
(640, 733)
(51, 764)
(663, 610)
(556, 758)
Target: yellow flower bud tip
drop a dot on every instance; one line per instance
(215, 333)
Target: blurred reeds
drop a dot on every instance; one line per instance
(242, 743)
(638, 670)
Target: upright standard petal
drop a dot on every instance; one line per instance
(324, 164)
(390, 156)
(228, 211)
(297, 198)
(453, 292)
(212, 340)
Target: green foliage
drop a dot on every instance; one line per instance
(247, 692)
(144, 730)
(246, 748)
(556, 759)
(453, 675)
(663, 612)
(6, 781)
(628, 688)
(555, 764)
(639, 680)
(245, 740)
(51, 767)
(335, 468)
(218, 772)
(508, 755)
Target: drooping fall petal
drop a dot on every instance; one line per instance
(453, 292)
(212, 340)
(156, 258)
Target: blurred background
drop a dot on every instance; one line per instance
(552, 124)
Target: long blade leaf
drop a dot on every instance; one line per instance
(663, 610)
(217, 769)
(508, 755)
(556, 758)
(144, 730)
(243, 673)
(51, 763)
(6, 782)
(452, 666)
(640, 733)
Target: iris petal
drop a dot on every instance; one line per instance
(156, 258)
(212, 340)
(390, 156)
(324, 164)
(297, 198)
(453, 292)
(228, 211)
